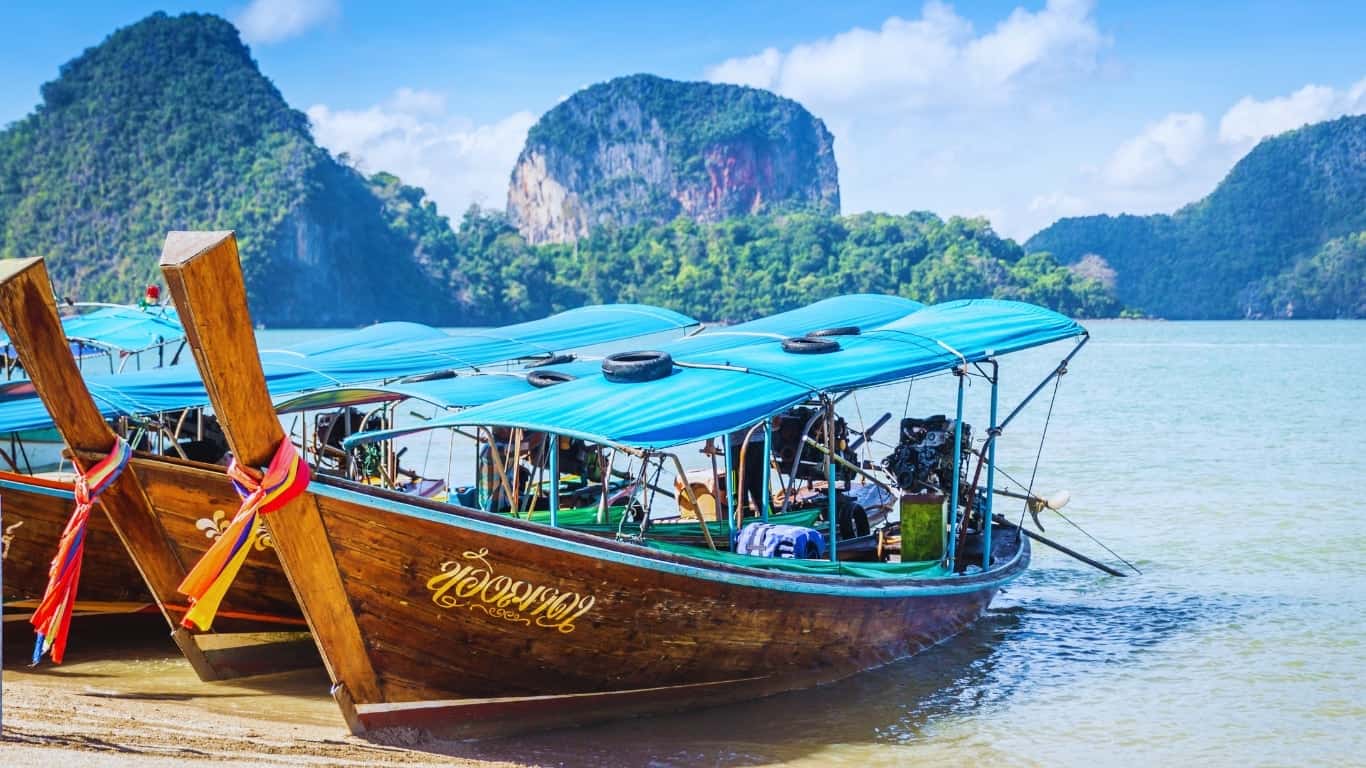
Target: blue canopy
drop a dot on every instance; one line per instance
(384, 352)
(116, 328)
(459, 391)
(858, 310)
(720, 391)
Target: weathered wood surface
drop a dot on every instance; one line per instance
(33, 513)
(193, 504)
(645, 628)
(158, 553)
(30, 317)
(205, 277)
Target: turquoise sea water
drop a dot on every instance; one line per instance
(1224, 460)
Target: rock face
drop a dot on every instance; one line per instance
(646, 149)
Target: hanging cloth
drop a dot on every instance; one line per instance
(207, 583)
(52, 620)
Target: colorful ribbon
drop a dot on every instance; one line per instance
(52, 620)
(207, 583)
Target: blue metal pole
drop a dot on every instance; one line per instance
(768, 462)
(834, 524)
(991, 469)
(830, 482)
(957, 460)
(554, 480)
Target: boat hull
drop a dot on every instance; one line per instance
(33, 513)
(193, 505)
(475, 624)
(260, 628)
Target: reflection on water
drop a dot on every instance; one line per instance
(1054, 636)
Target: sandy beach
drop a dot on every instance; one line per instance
(124, 697)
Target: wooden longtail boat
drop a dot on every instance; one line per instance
(168, 512)
(159, 537)
(460, 621)
(32, 516)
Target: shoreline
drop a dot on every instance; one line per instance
(125, 697)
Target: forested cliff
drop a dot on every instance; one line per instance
(168, 124)
(1283, 235)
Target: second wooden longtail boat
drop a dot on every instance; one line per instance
(460, 621)
(167, 512)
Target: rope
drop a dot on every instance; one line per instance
(1042, 436)
(52, 619)
(1097, 541)
(209, 580)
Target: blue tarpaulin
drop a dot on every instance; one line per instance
(736, 387)
(383, 352)
(119, 329)
(860, 310)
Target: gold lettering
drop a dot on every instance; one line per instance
(500, 596)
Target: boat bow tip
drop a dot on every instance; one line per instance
(11, 268)
(183, 247)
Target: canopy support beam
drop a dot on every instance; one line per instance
(554, 480)
(991, 468)
(961, 373)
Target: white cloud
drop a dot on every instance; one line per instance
(932, 113)
(418, 102)
(935, 59)
(1058, 205)
(270, 21)
(758, 71)
(457, 161)
(1180, 158)
(1251, 120)
(1159, 153)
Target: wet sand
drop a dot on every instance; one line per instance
(125, 697)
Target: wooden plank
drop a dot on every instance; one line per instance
(33, 517)
(29, 315)
(205, 278)
(646, 628)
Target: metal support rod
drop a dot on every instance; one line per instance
(991, 469)
(957, 462)
(554, 480)
(767, 501)
(831, 491)
(1058, 371)
(605, 471)
(692, 497)
(856, 469)
(726, 451)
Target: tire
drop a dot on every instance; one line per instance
(843, 330)
(853, 522)
(429, 377)
(630, 367)
(542, 378)
(809, 345)
(551, 360)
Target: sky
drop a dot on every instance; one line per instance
(1021, 111)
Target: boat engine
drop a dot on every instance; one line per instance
(923, 459)
(788, 444)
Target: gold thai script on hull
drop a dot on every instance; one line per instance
(471, 583)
